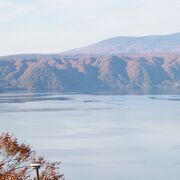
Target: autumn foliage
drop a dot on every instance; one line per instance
(16, 157)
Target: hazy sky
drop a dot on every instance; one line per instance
(48, 26)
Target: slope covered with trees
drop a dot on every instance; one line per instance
(90, 73)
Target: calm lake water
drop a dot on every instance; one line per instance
(99, 137)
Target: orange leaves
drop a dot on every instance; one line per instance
(16, 157)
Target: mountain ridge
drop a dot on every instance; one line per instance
(142, 64)
(132, 44)
(93, 74)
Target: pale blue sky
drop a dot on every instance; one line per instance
(52, 26)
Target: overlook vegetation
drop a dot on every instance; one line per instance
(15, 160)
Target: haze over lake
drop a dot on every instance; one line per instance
(99, 137)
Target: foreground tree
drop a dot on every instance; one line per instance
(15, 160)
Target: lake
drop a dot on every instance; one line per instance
(99, 137)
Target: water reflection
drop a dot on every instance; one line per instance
(30, 98)
(3, 110)
(166, 98)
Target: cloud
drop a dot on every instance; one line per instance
(78, 4)
(10, 11)
(47, 26)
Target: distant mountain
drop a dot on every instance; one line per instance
(123, 64)
(146, 44)
(123, 73)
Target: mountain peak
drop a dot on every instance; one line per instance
(133, 44)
